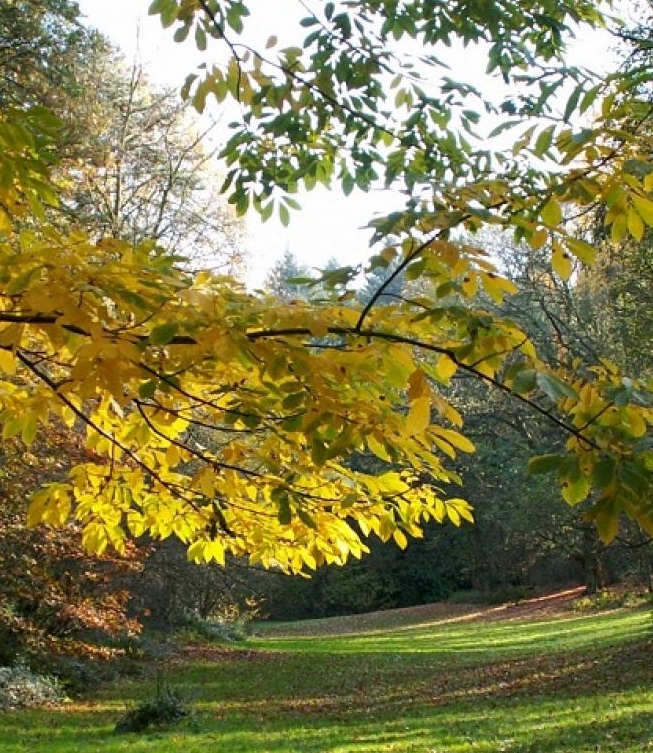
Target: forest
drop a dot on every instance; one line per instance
(465, 418)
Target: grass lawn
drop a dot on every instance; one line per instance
(410, 684)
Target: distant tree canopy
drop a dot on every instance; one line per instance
(230, 422)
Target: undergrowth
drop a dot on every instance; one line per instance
(165, 709)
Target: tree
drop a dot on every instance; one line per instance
(54, 598)
(141, 170)
(42, 48)
(283, 270)
(151, 358)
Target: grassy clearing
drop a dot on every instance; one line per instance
(570, 684)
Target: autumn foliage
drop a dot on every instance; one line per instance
(54, 597)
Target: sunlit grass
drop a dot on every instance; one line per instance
(479, 638)
(574, 684)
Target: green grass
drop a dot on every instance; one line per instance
(575, 684)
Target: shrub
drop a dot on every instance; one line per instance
(607, 599)
(165, 709)
(22, 688)
(230, 626)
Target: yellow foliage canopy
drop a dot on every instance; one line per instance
(231, 420)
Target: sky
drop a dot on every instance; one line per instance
(329, 224)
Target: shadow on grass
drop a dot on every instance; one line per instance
(606, 723)
(583, 700)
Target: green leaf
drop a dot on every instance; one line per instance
(544, 463)
(551, 214)
(181, 33)
(284, 514)
(306, 519)
(147, 390)
(525, 381)
(163, 333)
(200, 38)
(167, 9)
(318, 451)
(604, 472)
(553, 387)
(544, 141)
(284, 215)
(572, 102)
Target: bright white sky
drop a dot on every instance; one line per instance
(329, 224)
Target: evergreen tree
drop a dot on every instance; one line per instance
(282, 272)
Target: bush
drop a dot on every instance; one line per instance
(165, 709)
(22, 688)
(230, 625)
(607, 599)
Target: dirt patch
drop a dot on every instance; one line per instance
(550, 605)
(213, 653)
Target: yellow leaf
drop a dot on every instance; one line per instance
(7, 362)
(29, 429)
(463, 508)
(635, 421)
(207, 483)
(497, 286)
(606, 517)
(12, 334)
(195, 552)
(561, 262)
(635, 224)
(173, 456)
(455, 438)
(377, 448)
(12, 428)
(419, 415)
(539, 238)
(214, 551)
(459, 510)
(36, 508)
(644, 207)
(391, 483)
(94, 538)
(135, 523)
(400, 538)
(445, 368)
(619, 222)
(582, 250)
(387, 527)
(5, 222)
(470, 285)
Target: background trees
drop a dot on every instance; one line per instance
(43, 48)
(54, 597)
(144, 170)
